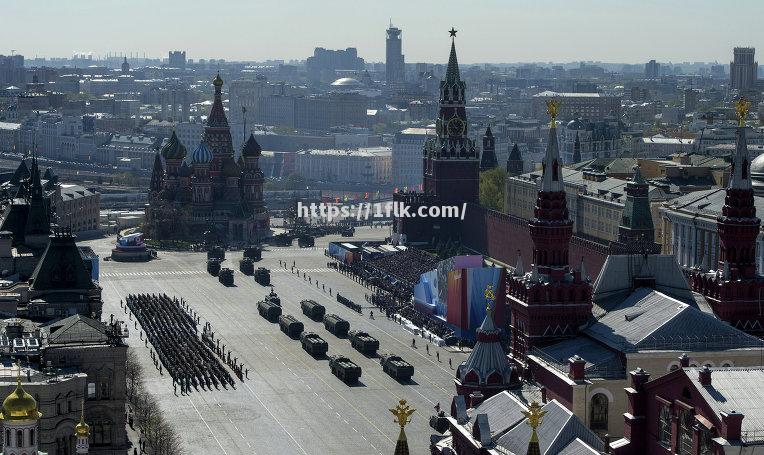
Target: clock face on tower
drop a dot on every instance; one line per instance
(455, 127)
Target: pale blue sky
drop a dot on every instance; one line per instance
(489, 30)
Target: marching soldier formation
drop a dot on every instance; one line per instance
(171, 328)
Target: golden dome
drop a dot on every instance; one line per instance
(82, 430)
(20, 405)
(217, 82)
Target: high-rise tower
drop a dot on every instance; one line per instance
(743, 68)
(394, 60)
(451, 164)
(552, 300)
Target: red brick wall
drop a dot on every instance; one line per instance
(499, 236)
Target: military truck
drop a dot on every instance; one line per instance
(213, 266)
(225, 276)
(282, 239)
(291, 326)
(313, 310)
(364, 343)
(269, 310)
(348, 231)
(336, 325)
(263, 276)
(216, 252)
(273, 298)
(345, 369)
(396, 367)
(247, 267)
(253, 252)
(306, 241)
(314, 344)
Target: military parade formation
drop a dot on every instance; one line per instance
(192, 360)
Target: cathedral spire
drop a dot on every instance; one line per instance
(217, 118)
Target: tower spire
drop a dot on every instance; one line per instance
(402, 414)
(452, 71)
(534, 414)
(739, 178)
(551, 180)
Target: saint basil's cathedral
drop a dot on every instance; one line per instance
(208, 191)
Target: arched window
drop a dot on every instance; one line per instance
(599, 412)
(31, 437)
(7, 438)
(19, 438)
(664, 426)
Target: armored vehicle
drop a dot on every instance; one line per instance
(225, 276)
(263, 276)
(253, 252)
(345, 369)
(314, 344)
(396, 367)
(269, 310)
(336, 325)
(213, 266)
(291, 326)
(306, 241)
(313, 309)
(246, 266)
(216, 252)
(348, 231)
(364, 343)
(272, 297)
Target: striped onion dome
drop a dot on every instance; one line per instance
(173, 149)
(202, 154)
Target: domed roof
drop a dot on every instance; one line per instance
(251, 147)
(347, 82)
(757, 167)
(173, 149)
(576, 124)
(82, 430)
(230, 168)
(202, 154)
(20, 405)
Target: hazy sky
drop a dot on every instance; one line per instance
(489, 30)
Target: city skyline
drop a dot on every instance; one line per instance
(540, 32)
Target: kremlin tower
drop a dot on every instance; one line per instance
(488, 159)
(486, 371)
(552, 300)
(451, 164)
(734, 289)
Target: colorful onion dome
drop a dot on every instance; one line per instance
(202, 154)
(173, 149)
